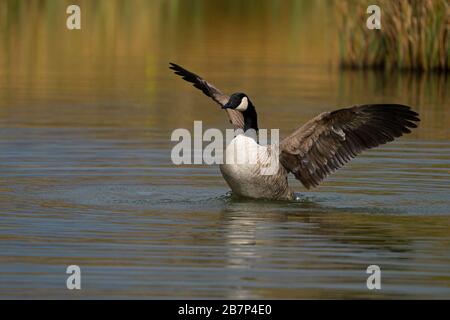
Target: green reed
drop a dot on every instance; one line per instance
(414, 35)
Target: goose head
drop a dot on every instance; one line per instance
(240, 102)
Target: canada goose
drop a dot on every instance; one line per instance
(313, 151)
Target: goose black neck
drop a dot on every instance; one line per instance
(250, 118)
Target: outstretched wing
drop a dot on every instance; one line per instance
(328, 141)
(236, 117)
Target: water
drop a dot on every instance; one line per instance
(86, 176)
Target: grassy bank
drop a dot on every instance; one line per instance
(414, 35)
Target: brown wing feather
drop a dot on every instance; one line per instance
(236, 117)
(328, 141)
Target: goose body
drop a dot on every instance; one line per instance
(313, 151)
(248, 174)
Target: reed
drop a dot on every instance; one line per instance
(414, 35)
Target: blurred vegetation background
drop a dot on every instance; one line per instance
(288, 52)
(119, 30)
(414, 35)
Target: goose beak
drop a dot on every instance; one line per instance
(226, 106)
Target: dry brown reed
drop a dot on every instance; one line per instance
(414, 35)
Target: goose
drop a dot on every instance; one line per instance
(313, 151)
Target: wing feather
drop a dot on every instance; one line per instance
(236, 117)
(330, 140)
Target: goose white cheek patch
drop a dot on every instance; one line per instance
(243, 105)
